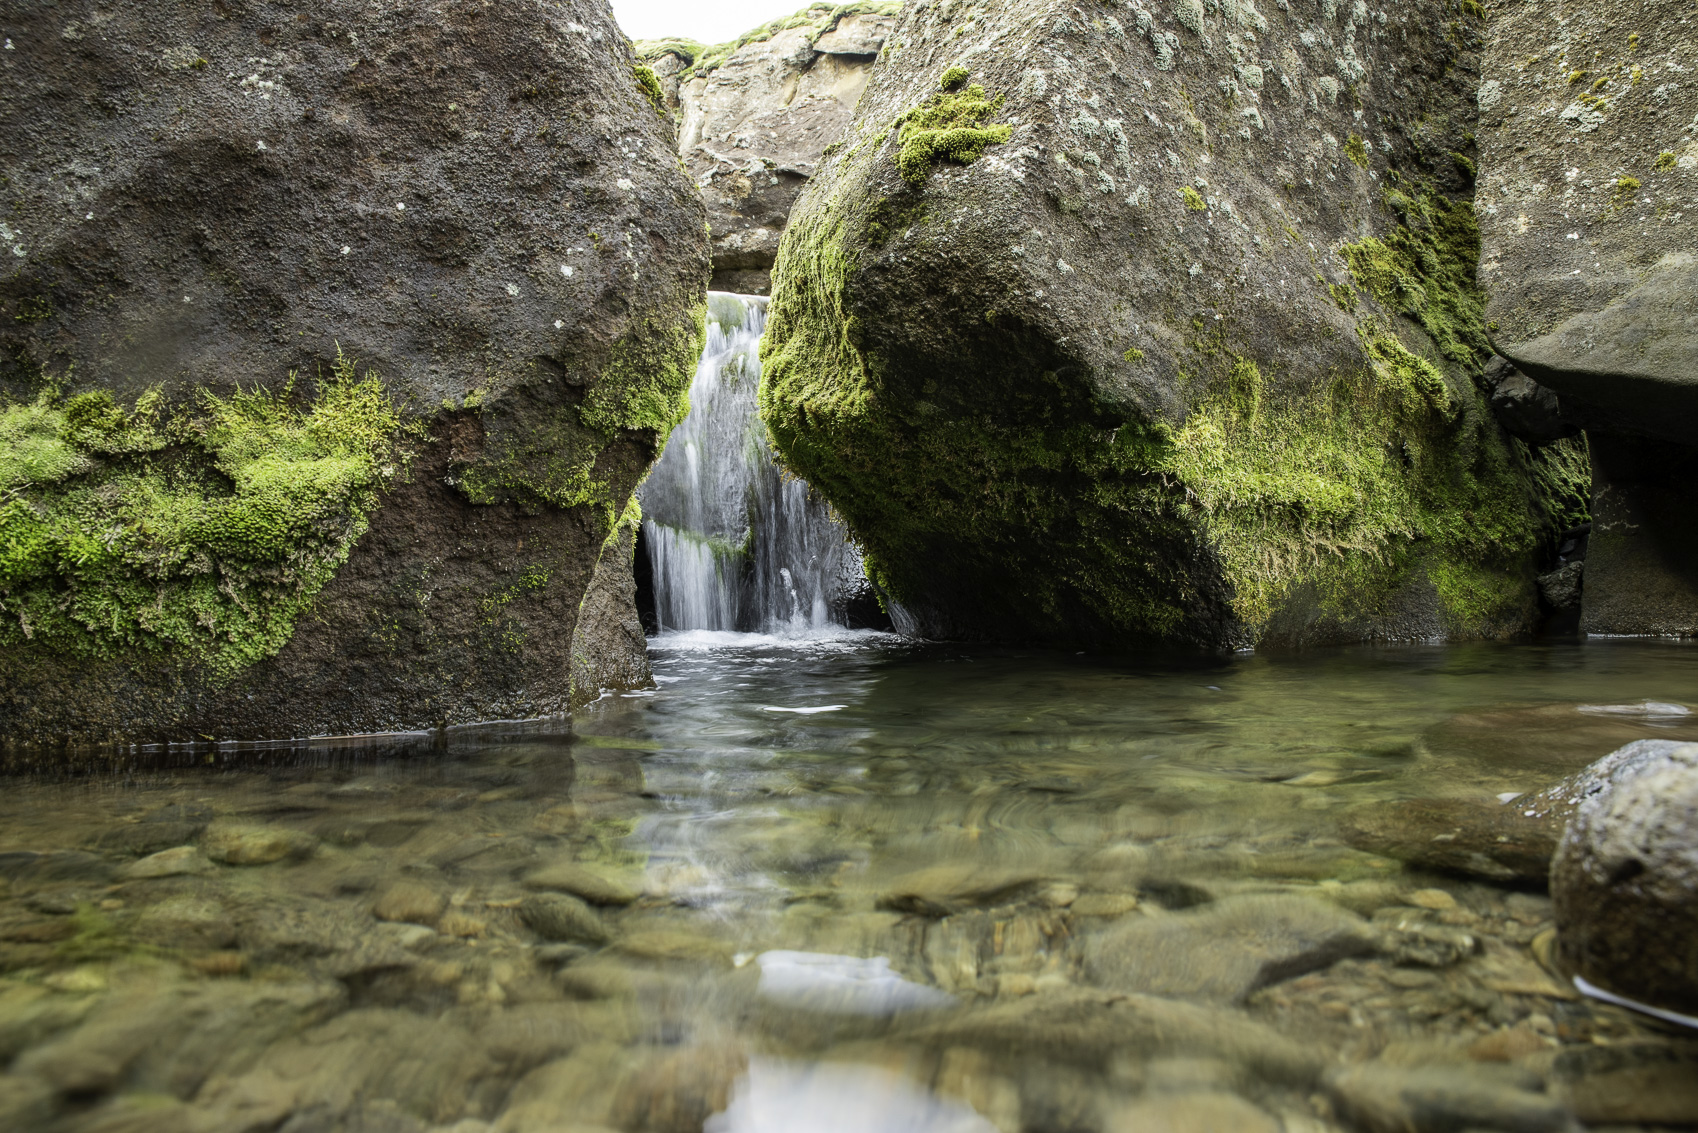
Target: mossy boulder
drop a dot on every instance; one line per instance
(333, 343)
(1588, 172)
(1125, 325)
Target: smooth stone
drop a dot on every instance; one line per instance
(1436, 899)
(1496, 841)
(940, 890)
(1104, 905)
(1190, 1113)
(592, 884)
(1223, 951)
(243, 844)
(1441, 1099)
(558, 917)
(175, 862)
(411, 901)
(1624, 885)
(146, 837)
(669, 944)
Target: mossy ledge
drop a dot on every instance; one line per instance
(198, 533)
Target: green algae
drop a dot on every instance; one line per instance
(202, 535)
(953, 125)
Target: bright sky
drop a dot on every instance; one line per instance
(711, 21)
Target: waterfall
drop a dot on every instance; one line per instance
(734, 541)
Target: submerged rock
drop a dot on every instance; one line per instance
(556, 916)
(1585, 150)
(344, 334)
(1227, 949)
(1136, 327)
(1438, 1099)
(1497, 841)
(1625, 880)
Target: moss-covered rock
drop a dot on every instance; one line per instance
(212, 523)
(1170, 360)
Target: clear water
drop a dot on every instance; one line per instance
(734, 541)
(856, 883)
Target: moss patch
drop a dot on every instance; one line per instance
(650, 86)
(1424, 269)
(204, 535)
(816, 20)
(953, 125)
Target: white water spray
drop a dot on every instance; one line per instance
(735, 542)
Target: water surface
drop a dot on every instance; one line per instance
(842, 883)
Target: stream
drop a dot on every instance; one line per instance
(841, 881)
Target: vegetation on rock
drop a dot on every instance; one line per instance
(953, 125)
(203, 532)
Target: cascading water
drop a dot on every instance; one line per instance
(734, 541)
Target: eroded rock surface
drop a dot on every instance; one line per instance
(755, 117)
(1159, 323)
(344, 334)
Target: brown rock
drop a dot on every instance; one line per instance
(239, 844)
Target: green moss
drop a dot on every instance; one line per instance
(203, 537)
(1133, 355)
(1665, 162)
(1626, 188)
(950, 126)
(1424, 269)
(648, 50)
(952, 78)
(643, 386)
(650, 86)
(1193, 199)
(1356, 150)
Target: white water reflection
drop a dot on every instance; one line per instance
(828, 1097)
(842, 985)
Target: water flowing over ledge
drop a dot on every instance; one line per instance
(734, 541)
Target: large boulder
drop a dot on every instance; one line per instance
(756, 115)
(336, 337)
(1588, 162)
(1159, 323)
(1625, 879)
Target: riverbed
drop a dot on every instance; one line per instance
(846, 882)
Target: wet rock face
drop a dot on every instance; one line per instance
(1102, 325)
(1588, 165)
(1625, 878)
(480, 205)
(752, 129)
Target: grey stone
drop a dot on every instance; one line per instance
(1630, 1083)
(753, 127)
(174, 862)
(1561, 588)
(481, 205)
(1498, 842)
(1625, 880)
(412, 902)
(1223, 951)
(1524, 407)
(609, 650)
(558, 917)
(1441, 1099)
(981, 363)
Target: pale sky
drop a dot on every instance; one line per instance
(711, 21)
